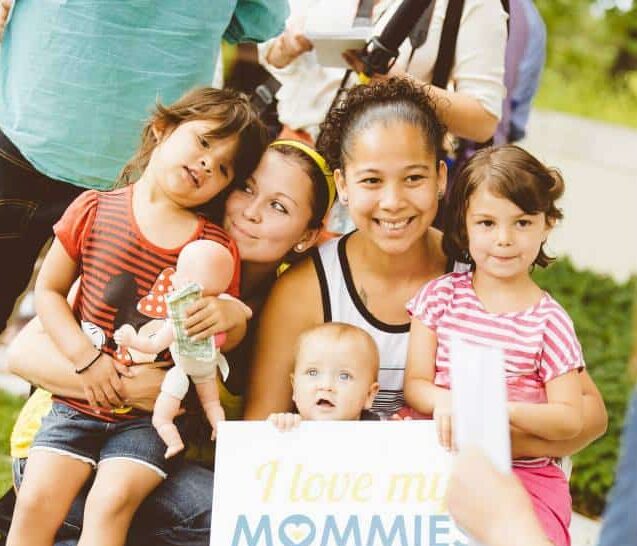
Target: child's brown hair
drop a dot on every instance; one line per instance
(386, 101)
(232, 112)
(512, 173)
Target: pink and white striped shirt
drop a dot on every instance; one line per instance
(539, 343)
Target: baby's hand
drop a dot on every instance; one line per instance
(125, 335)
(442, 417)
(285, 421)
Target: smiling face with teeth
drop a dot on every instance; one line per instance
(335, 373)
(391, 184)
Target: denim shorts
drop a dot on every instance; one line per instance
(177, 513)
(67, 431)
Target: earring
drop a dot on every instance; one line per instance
(299, 247)
(441, 195)
(344, 200)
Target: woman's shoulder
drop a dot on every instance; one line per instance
(294, 301)
(299, 277)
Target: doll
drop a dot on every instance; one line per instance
(204, 268)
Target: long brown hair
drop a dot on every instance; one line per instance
(229, 109)
(512, 173)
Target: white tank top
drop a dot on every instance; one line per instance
(341, 303)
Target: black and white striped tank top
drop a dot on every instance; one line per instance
(341, 303)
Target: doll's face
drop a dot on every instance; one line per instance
(207, 263)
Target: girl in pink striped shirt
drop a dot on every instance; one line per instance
(501, 210)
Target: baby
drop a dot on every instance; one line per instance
(335, 376)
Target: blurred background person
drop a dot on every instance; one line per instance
(473, 102)
(77, 80)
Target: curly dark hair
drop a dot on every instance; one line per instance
(359, 107)
(512, 173)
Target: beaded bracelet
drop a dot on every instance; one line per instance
(81, 370)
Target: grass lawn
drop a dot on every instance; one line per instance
(590, 96)
(9, 408)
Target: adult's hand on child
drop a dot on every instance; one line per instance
(141, 388)
(285, 421)
(211, 315)
(102, 384)
(353, 58)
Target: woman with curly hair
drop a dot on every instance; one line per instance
(384, 142)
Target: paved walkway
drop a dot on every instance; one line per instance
(599, 165)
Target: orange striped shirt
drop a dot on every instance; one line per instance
(119, 267)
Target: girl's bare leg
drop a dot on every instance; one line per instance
(119, 488)
(51, 482)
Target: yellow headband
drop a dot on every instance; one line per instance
(319, 160)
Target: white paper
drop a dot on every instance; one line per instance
(479, 402)
(331, 16)
(329, 26)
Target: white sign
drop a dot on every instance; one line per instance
(331, 484)
(329, 25)
(479, 398)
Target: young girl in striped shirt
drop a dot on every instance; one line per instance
(502, 208)
(123, 244)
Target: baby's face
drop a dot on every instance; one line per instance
(333, 379)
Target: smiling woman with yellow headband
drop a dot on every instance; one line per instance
(274, 216)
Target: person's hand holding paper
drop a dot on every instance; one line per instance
(289, 45)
